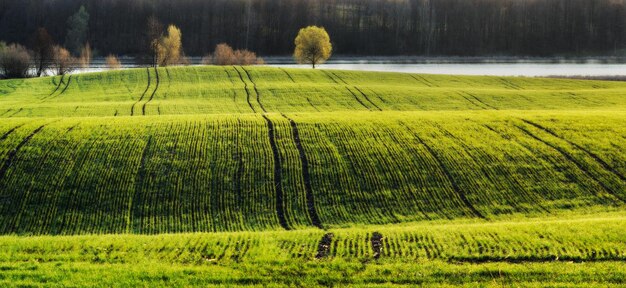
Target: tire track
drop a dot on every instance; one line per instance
(589, 153)
(66, 214)
(6, 134)
(422, 80)
(13, 153)
(280, 208)
(357, 99)
(515, 185)
(245, 86)
(258, 95)
(310, 198)
(311, 103)
(169, 78)
(16, 112)
(509, 84)
(240, 167)
(477, 100)
(443, 167)
(136, 197)
(288, 75)
(470, 101)
(329, 76)
(570, 158)
(57, 88)
(132, 109)
(337, 76)
(538, 203)
(25, 195)
(143, 108)
(69, 81)
(481, 101)
(6, 112)
(67, 84)
(367, 98)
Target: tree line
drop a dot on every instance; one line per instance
(357, 27)
(163, 47)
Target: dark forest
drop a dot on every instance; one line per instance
(356, 27)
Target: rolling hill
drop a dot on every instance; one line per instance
(448, 168)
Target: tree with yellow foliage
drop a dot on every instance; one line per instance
(169, 49)
(312, 46)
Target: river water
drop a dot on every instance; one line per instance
(456, 66)
(493, 69)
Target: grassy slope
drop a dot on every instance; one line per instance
(217, 90)
(590, 252)
(198, 154)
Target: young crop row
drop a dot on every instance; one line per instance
(258, 172)
(576, 239)
(242, 90)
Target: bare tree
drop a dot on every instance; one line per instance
(43, 50)
(223, 55)
(15, 61)
(154, 31)
(85, 56)
(63, 62)
(113, 63)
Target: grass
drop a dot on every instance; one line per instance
(579, 250)
(232, 175)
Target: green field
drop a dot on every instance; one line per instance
(226, 175)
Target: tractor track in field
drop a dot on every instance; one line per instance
(240, 168)
(230, 78)
(61, 82)
(258, 95)
(143, 108)
(515, 185)
(357, 99)
(67, 85)
(510, 84)
(13, 153)
(288, 75)
(329, 76)
(60, 226)
(595, 157)
(482, 105)
(245, 87)
(6, 112)
(337, 76)
(481, 101)
(16, 112)
(367, 98)
(470, 101)
(139, 179)
(6, 134)
(169, 82)
(573, 160)
(310, 198)
(25, 194)
(57, 88)
(449, 176)
(280, 208)
(311, 103)
(132, 108)
(169, 77)
(422, 80)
